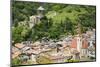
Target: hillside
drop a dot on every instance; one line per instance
(63, 20)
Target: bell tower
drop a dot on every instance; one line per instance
(40, 12)
(79, 39)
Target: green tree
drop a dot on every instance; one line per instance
(16, 61)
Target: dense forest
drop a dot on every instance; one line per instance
(68, 19)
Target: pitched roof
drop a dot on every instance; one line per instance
(37, 43)
(40, 8)
(19, 45)
(16, 54)
(14, 49)
(75, 52)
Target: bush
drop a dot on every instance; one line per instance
(71, 61)
(16, 61)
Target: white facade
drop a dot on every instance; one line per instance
(79, 43)
(84, 52)
(32, 21)
(33, 57)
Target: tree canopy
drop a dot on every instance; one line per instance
(59, 19)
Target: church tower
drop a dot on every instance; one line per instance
(40, 12)
(34, 19)
(79, 38)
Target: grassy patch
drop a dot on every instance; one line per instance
(71, 61)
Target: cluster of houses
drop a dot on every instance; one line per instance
(68, 48)
(77, 47)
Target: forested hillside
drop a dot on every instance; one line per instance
(60, 20)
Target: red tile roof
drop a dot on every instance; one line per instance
(19, 45)
(75, 52)
(57, 57)
(16, 54)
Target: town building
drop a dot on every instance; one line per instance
(34, 19)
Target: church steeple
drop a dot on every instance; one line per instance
(40, 11)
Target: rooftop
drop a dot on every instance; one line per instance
(40, 8)
(19, 45)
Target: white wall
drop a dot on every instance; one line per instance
(5, 34)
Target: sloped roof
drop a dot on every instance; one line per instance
(19, 45)
(75, 52)
(40, 8)
(16, 54)
(36, 43)
(14, 49)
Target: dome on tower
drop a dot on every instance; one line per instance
(40, 8)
